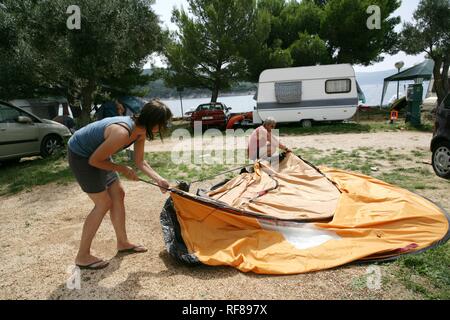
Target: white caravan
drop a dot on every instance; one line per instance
(306, 94)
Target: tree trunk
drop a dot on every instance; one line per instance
(87, 96)
(215, 94)
(438, 81)
(217, 84)
(445, 69)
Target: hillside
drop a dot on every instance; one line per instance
(371, 82)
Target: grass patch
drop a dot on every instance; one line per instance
(25, 175)
(410, 179)
(294, 129)
(427, 273)
(356, 160)
(418, 153)
(361, 127)
(187, 171)
(17, 177)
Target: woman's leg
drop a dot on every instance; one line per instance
(102, 203)
(117, 212)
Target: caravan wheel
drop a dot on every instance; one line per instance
(306, 123)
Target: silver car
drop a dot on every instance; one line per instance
(23, 134)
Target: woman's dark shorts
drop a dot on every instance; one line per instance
(90, 179)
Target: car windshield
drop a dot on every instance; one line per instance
(210, 107)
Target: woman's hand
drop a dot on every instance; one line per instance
(142, 165)
(130, 174)
(163, 184)
(284, 148)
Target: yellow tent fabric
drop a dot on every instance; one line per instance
(298, 192)
(371, 220)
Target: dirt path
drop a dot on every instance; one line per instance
(40, 231)
(381, 140)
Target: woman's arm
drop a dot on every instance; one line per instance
(277, 143)
(142, 165)
(115, 138)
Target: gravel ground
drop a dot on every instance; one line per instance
(40, 231)
(347, 141)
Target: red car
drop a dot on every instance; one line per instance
(211, 115)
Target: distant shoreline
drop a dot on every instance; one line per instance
(204, 96)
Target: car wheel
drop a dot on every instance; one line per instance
(49, 145)
(306, 123)
(441, 160)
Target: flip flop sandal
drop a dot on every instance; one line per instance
(98, 265)
(133, 250)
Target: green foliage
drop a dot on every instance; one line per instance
(304, 17)
(314, 32)
(430, 30)
(104, 57)
(19, 63)
(218, 43)
(36, 172)
(309, 50)
(431, 265)
(430, 33)
(213, 37)
(349, 39)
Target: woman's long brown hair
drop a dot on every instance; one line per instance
(154, 113)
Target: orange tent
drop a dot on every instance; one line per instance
(298, 219)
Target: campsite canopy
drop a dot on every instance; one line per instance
(422, 70)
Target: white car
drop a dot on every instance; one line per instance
(23, 134)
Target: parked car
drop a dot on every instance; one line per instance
(440, 144)
(44, 108)
(189, 113)
(23, 134)
(214, 114)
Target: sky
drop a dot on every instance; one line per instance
(164, 9)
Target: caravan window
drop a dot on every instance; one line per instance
(338, 86)
(288, 92)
